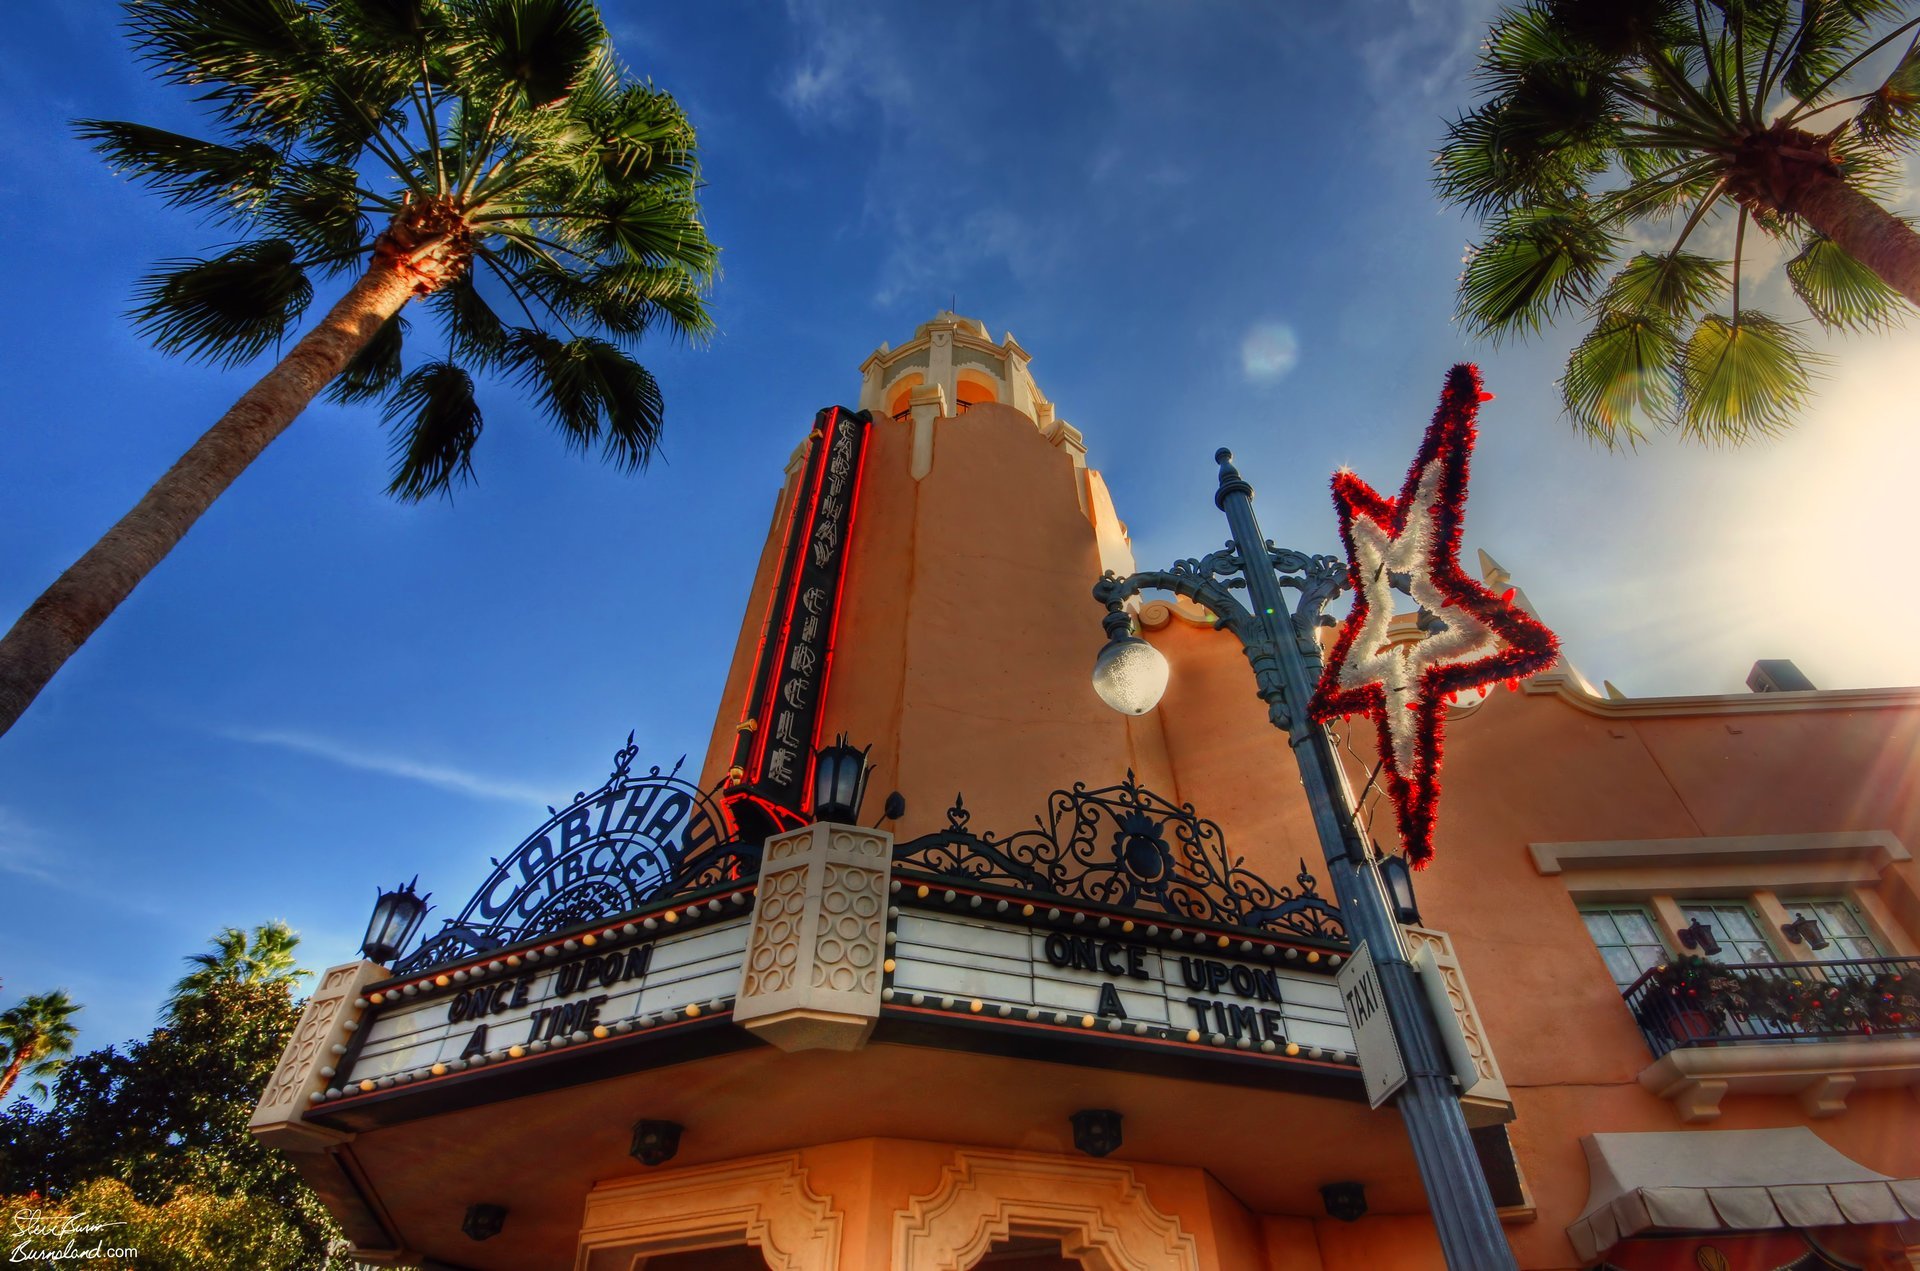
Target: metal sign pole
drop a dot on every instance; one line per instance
(1280, 645)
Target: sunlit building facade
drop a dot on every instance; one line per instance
(1061, 990)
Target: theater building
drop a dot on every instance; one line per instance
(1063, 991)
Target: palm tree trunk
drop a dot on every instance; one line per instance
(1863, 229)
(60, 621)
(12, 1073)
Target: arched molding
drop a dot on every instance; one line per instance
(1099, 1212)
(766, 1202)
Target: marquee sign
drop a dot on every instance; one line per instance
(581, 990)
(611, 851)
(768, 784)
(1119, 981)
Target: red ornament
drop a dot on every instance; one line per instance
(1413, 541)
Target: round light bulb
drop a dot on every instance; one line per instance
(1130, 675)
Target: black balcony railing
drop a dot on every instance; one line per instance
(1694, 1002)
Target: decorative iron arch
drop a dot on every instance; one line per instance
(1128, 849)
(612, 850)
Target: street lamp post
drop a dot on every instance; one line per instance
(1281, 645)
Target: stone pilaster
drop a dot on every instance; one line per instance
(330, 1017)
(813, 969)
(1483, 1091)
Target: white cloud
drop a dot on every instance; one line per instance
(847, 60)
(23, 849)
(440, 776)
(1418, 58)
(1268, 351)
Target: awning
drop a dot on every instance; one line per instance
(1729, 1180)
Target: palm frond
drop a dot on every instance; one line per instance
(391, 26)
(1840, 291)
(1622, 373)
(1743, 376)
(657, 225)
(226, 309)
(1891, 116)
(1827, 34)
(375, 369)
(539, 49)
(318, 207)
(1537, 262)
(189, 172)
(435, 422)
(1669, 286)
(641, 134)
(259, 64)
(594, 394)
(475, 333)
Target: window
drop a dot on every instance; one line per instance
(1627, 939)
(1735, 927)
(1847, 936)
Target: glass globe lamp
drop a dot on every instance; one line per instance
(1130, 674)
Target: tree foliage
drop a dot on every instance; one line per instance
(1610, 135)
(495, 148)
(36, 1036)
(488, 156)
(164, 1121)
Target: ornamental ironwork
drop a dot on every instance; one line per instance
(1125, 848)
(636, 839)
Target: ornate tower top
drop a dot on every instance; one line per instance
(951, 363)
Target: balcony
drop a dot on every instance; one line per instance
(1819, 1030)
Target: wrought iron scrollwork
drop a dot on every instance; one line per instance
(634, 840)
(1126, 848)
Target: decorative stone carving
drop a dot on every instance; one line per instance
(328, 1021)
(813, 968)
(766, 1202)
(1099, 1211)
(1483, 1091)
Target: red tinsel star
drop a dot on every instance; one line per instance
(1412, 543)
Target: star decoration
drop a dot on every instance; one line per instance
(1473, 637)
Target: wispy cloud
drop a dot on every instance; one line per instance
(405, 768)
(1418, 58)
(848, 62)
(23, 849)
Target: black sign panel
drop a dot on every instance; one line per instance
(773, 757)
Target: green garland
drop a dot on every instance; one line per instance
(1796, 1001)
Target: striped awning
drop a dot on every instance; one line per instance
(1729, 1180)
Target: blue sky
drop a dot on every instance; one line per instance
(1209, 223)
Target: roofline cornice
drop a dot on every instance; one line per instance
(1561, 684)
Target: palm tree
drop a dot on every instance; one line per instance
(36, 1037)
(264, 958)
(486, 156)
(1608, 123)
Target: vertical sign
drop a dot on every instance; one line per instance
(773, 754)
(1380, 1064)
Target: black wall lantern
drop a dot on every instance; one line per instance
(1804, 930)
(654, 1142)
(839, 782)
(483, 1222)
(396, 916)
(1699, 937)
(1345, 1201)
(1096, 1131)
(1398, 876)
